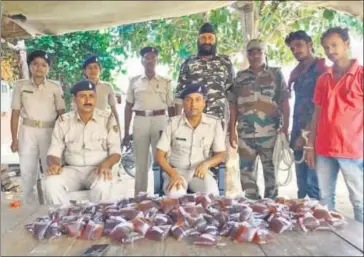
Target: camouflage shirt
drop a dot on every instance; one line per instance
(304, 87)
(258, 98)
(216, 73)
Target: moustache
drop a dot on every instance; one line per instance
(87, 105)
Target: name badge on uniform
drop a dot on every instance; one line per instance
(27, 91)
(180, 139)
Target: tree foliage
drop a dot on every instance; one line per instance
(176, 38)
(69, 51)
(9, 64)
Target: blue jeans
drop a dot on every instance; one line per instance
(352, 170)
(306, 179)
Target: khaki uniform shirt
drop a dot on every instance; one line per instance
(85, 144)
(154, 94)
(105, 96)
(38, 103)
(188, 147)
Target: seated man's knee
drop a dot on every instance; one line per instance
(53, 183)
(208, 185)
(174, 192)
(55, 190)
(100, 190)
(211, 186)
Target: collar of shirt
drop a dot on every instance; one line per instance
(144, 76)
(318, 65)
(203, 120)
(93, 118)
(352, 70)
(208, 57)
(41, 85)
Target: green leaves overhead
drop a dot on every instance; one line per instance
(176, 38)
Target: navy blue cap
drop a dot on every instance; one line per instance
(38, 53)
(207, 28)
(90, 59)
(194, 88)
(83, 85)
(148, 49)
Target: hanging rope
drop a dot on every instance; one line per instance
(284, 154)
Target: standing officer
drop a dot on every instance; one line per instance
(211, 70)
(38, 101)
(148, 96)
(105, 93)
(89, 141)
(188, 140)
(259, 99)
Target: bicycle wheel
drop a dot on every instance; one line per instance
(128, 159)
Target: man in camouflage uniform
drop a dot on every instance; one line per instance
(258, 99)
(210, 69)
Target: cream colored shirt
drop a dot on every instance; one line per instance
(188, 147)
(105, 96)
(85, 144)
(38, 103)
(154, 94)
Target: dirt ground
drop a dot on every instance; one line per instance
(342, 197)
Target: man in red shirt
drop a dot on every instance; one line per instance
(336, 134)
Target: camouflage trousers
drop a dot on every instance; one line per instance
(249, 150)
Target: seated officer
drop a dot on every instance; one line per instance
(188, 141)
(88, 140)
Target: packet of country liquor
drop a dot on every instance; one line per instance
(141, 225)
(206, 240)
(158, 233)
(121, 231)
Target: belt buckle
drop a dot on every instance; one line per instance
(148, 113)
(37, 123)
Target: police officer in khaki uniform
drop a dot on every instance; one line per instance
(188, 140)
(105, 93)
(89, 141)
(38, 101)
(148, 96)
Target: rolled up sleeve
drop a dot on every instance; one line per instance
(218, 144)
(164, 143)
(58, 143)
(113, 137)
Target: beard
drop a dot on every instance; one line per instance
(206, 49)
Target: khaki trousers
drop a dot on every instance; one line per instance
(33, 145)
(146, 134)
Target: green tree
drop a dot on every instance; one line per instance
(177, 37)
(69, 51)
